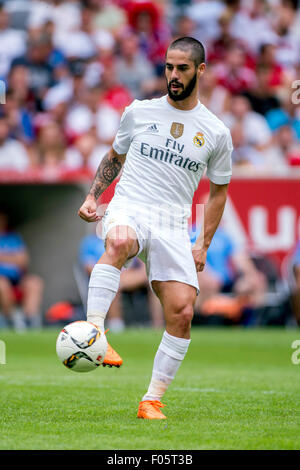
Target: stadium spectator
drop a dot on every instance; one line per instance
(64, 14)
(255, 128)
(133, 70)
(56, 58)
(225, 40)
(252, 24)
(12, 43)
(55, 104)
(20, 291)
(93, 112)
(215, 97)
(274, 158)
(50, 149)
(104, 40)
(158, 87)
(20, 120)
(41, 72)
(278, 74)
(262, 96)
(217, 49)
(18, 83)
(13, 154)
(77, 43)
(108, 16)
(206, 14)
(233, 73)
(86, 153)
(105, 44)
(287, 39)
(284, 151)
(244, 155)
(184, 27)
(147, 21)
(287, 114)
(116, 95)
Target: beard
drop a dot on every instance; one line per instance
(186, 91)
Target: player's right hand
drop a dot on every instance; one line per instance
(88, 210)
(199, 255)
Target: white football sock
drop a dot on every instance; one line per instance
(168, 358)
(103, 286)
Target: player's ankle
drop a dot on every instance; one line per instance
(151, 398)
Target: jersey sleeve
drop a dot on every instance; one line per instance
(124, 135)
(219, 164)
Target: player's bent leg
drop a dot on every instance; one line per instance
(121, 244)
(177, 300)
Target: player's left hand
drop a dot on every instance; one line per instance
(199, 255)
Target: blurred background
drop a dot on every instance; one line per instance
(68, 68)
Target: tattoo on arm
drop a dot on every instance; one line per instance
(108, 170)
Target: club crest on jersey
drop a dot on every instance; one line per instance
(199, 139)
(176, 129)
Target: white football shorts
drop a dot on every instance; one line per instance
(164, 246)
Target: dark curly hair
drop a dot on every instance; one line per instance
(195, 47)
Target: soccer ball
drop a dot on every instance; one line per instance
(81, 346)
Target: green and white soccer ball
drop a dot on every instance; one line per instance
(81, 346)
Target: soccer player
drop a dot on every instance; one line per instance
(163, 145)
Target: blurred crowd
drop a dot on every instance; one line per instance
(70, 67)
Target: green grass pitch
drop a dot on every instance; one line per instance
(236, 389)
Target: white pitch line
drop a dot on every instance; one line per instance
(215, 390)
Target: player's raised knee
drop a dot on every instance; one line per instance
(119, 246)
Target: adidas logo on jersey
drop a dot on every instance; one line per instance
(152, 128)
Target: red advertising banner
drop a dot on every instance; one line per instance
(263, 214)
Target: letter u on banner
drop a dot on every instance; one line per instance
(283, 239)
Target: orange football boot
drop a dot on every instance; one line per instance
(112, 358)
(149, 409)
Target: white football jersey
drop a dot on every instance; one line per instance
(168, 151)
